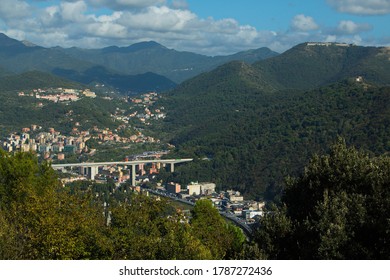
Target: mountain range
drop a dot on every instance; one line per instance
(140, 67)
(153, 57)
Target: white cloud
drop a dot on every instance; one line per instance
(303, 23)
(125, 4)
(161, 19)
(350, 27)
(74, 12)
(106, 29)
(180, 4)
(11, 9)
(361, 7)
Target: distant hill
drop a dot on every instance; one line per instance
(18, 57)
(259, 123)
(153, 57)
(12, 46)
(124, 83)
(33, 80)
(4, 72)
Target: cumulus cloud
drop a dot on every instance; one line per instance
(303, 23)
(73, 11)
(10, 9)
(158, 19)
(176, 28)
(361, 7)
(350, 27)
(180, 4)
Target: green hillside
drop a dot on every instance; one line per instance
(124, 83)
(17, 112)
(34, 79)
(254, 131)
(308, 66)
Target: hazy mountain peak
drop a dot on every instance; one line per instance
(28, 43)
(6, 41)
(135, 47)
(144, 46)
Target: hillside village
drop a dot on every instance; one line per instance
(59, 94)
(51, 144)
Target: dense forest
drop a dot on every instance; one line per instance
(249, 126)
(251, 141)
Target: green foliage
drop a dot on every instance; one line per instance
(40, 219)
(142, 230)
(337, 209)
(224, 240)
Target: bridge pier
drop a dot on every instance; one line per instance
(172, 167)
(132, 175)
(141, 168)
(83, 171)
(90, 171)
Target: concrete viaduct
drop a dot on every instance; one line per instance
(91, 168)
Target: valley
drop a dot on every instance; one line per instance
(230, 135)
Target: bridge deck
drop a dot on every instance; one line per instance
(133, 162)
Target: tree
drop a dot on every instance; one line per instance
(151, 229)
(337, 209)
(41, 220)
(223, 239)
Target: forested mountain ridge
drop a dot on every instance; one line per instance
(257, 126)
(32, 80)
(310, 65)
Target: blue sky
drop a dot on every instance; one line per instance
(209, 27)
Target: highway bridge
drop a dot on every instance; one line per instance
(91, 168)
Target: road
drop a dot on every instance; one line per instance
(228, 215)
